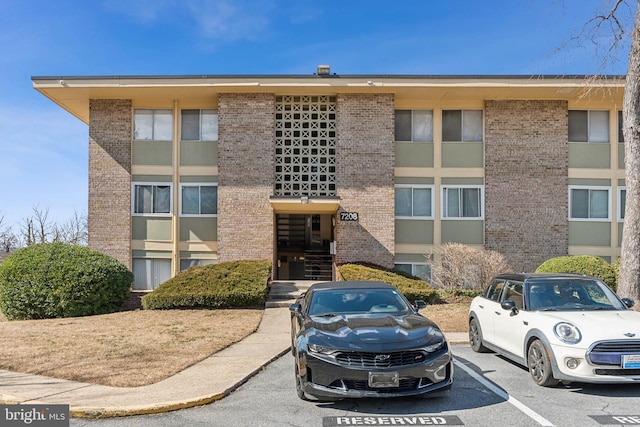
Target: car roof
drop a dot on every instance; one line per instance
(350, 284)
(525, 276)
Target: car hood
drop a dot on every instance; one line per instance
(600, 325)
(382, 332)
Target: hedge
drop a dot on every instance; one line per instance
(238, 284)
(52, 280)
(582, 264)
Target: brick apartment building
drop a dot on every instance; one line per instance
(314, 170)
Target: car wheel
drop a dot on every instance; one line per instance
(301, 394)
(540, 365)
(475, 337)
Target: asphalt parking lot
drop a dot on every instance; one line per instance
(488, 391)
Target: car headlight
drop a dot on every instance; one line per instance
(314, 348)
(434, 347)
(567, 333)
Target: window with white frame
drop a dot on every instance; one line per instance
(622, 202)
(414, 125)
(199, 125)
(462, 125)
(421, 270)
(588, 126)
(413, 201)
(156, 125)
(151, 198)
(198, 199)
(589, 203)
(462, 202)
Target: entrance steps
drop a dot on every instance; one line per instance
(283, 293)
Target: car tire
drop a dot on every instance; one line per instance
(475, 337)
(299, 391)
(539, 365)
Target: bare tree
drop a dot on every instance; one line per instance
(8, 240)
(73, 231)
(37, 228)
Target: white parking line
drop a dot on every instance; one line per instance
(504, 395)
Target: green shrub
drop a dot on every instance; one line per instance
(51, 280)
(582, 264)
(412, 287)
(237, 284)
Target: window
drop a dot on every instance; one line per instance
(589, 203)
(199, 199)
(494, 290)
(199, 125)
(462, 125)
(188, 263)
(153, 125)
(421, 270)
(149, 198)
(149, 273)
(620, 123)
(464, 201)
(413, 201)
(622, 202)
(588, 126)
(414, 125)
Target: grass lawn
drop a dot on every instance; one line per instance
(141, 347)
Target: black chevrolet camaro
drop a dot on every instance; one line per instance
(364, 339)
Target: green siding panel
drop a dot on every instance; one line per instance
(620, 156)
(466, 232)
(589, 155)
(462, 155)
(199, 153)
(589, 233)
(414, 154)
(194, 229)
(620, 226)
(414, 231)
(151, 228)
(152, 153)
(402, 258)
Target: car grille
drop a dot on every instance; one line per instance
(380, 360)
(610, 353)
(406, 384)
(618, 372)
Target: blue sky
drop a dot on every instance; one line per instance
(43, 149)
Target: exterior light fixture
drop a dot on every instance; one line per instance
(304, 200)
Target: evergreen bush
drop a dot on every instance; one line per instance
(52, 280)
(582, 264)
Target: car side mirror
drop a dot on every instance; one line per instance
(419, 304)
(628, 302)
(509, 305)
(295, 308)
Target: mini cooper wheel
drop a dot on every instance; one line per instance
(475, 337)
(539, 365)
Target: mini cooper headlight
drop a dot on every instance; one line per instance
(567, 333)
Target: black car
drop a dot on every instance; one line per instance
(364, 339)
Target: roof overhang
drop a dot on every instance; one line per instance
(305, 205)
(73, 93)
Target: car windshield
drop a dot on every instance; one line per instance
(344, 301)
(571, 294)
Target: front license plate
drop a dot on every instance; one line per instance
(631, 361)
(384, 379)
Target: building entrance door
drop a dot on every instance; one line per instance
(303, 247)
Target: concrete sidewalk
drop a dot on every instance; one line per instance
(207, 381)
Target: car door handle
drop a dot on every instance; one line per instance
(525, 322)
(480, 305)
(497, 312)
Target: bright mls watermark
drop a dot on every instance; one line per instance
(34, 415)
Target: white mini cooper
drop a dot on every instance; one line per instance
(563, 327)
